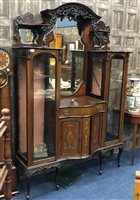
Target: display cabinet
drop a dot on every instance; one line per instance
(69, 102)
(36, 85)
(108, 76)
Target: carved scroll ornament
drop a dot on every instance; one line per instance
(28, 31)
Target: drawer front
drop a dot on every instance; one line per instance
(66, 112)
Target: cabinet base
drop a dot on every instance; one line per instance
(39, 169)
(102, 151)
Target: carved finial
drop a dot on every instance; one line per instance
(5, 112)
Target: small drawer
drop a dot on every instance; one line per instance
(65, 112)
(84, 111)
(99, 107)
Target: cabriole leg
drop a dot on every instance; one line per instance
(100, 162)
(56, 174)
(28, 185)
(119, 155)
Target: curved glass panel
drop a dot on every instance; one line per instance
(97, 69)
(114, 101)
(21, 85)
(96, 76)
(44, 66)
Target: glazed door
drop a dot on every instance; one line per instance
(44, 105)
(36, 90)
(115, 98)
(70, 137)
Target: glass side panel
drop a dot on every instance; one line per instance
(95, 79)
(44, 105)
(72, 72)
(114, 102)
(22, 125)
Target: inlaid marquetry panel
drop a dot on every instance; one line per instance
(70, 143)
(85, 136)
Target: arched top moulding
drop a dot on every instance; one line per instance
(93, 32)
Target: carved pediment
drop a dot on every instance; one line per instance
(28, 31)
(93, 32)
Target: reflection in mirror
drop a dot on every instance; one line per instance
(66, 36)
(26, 36)
(114, 102)
(96, 76)
(97, 69)
(72, 73)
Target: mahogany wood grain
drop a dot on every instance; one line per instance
(6, 170)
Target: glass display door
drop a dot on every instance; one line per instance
(44, 101)
(36, 105)
(114, 98)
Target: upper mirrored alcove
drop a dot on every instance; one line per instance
(72, 28)
(93, 33)
(66, 36)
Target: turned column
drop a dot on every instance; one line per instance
(7, 153)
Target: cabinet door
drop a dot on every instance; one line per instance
(44, 105)
(115, 99)
(96, 131)
(70, 137)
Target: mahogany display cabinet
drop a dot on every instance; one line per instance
(108, 76)
(69, 102)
